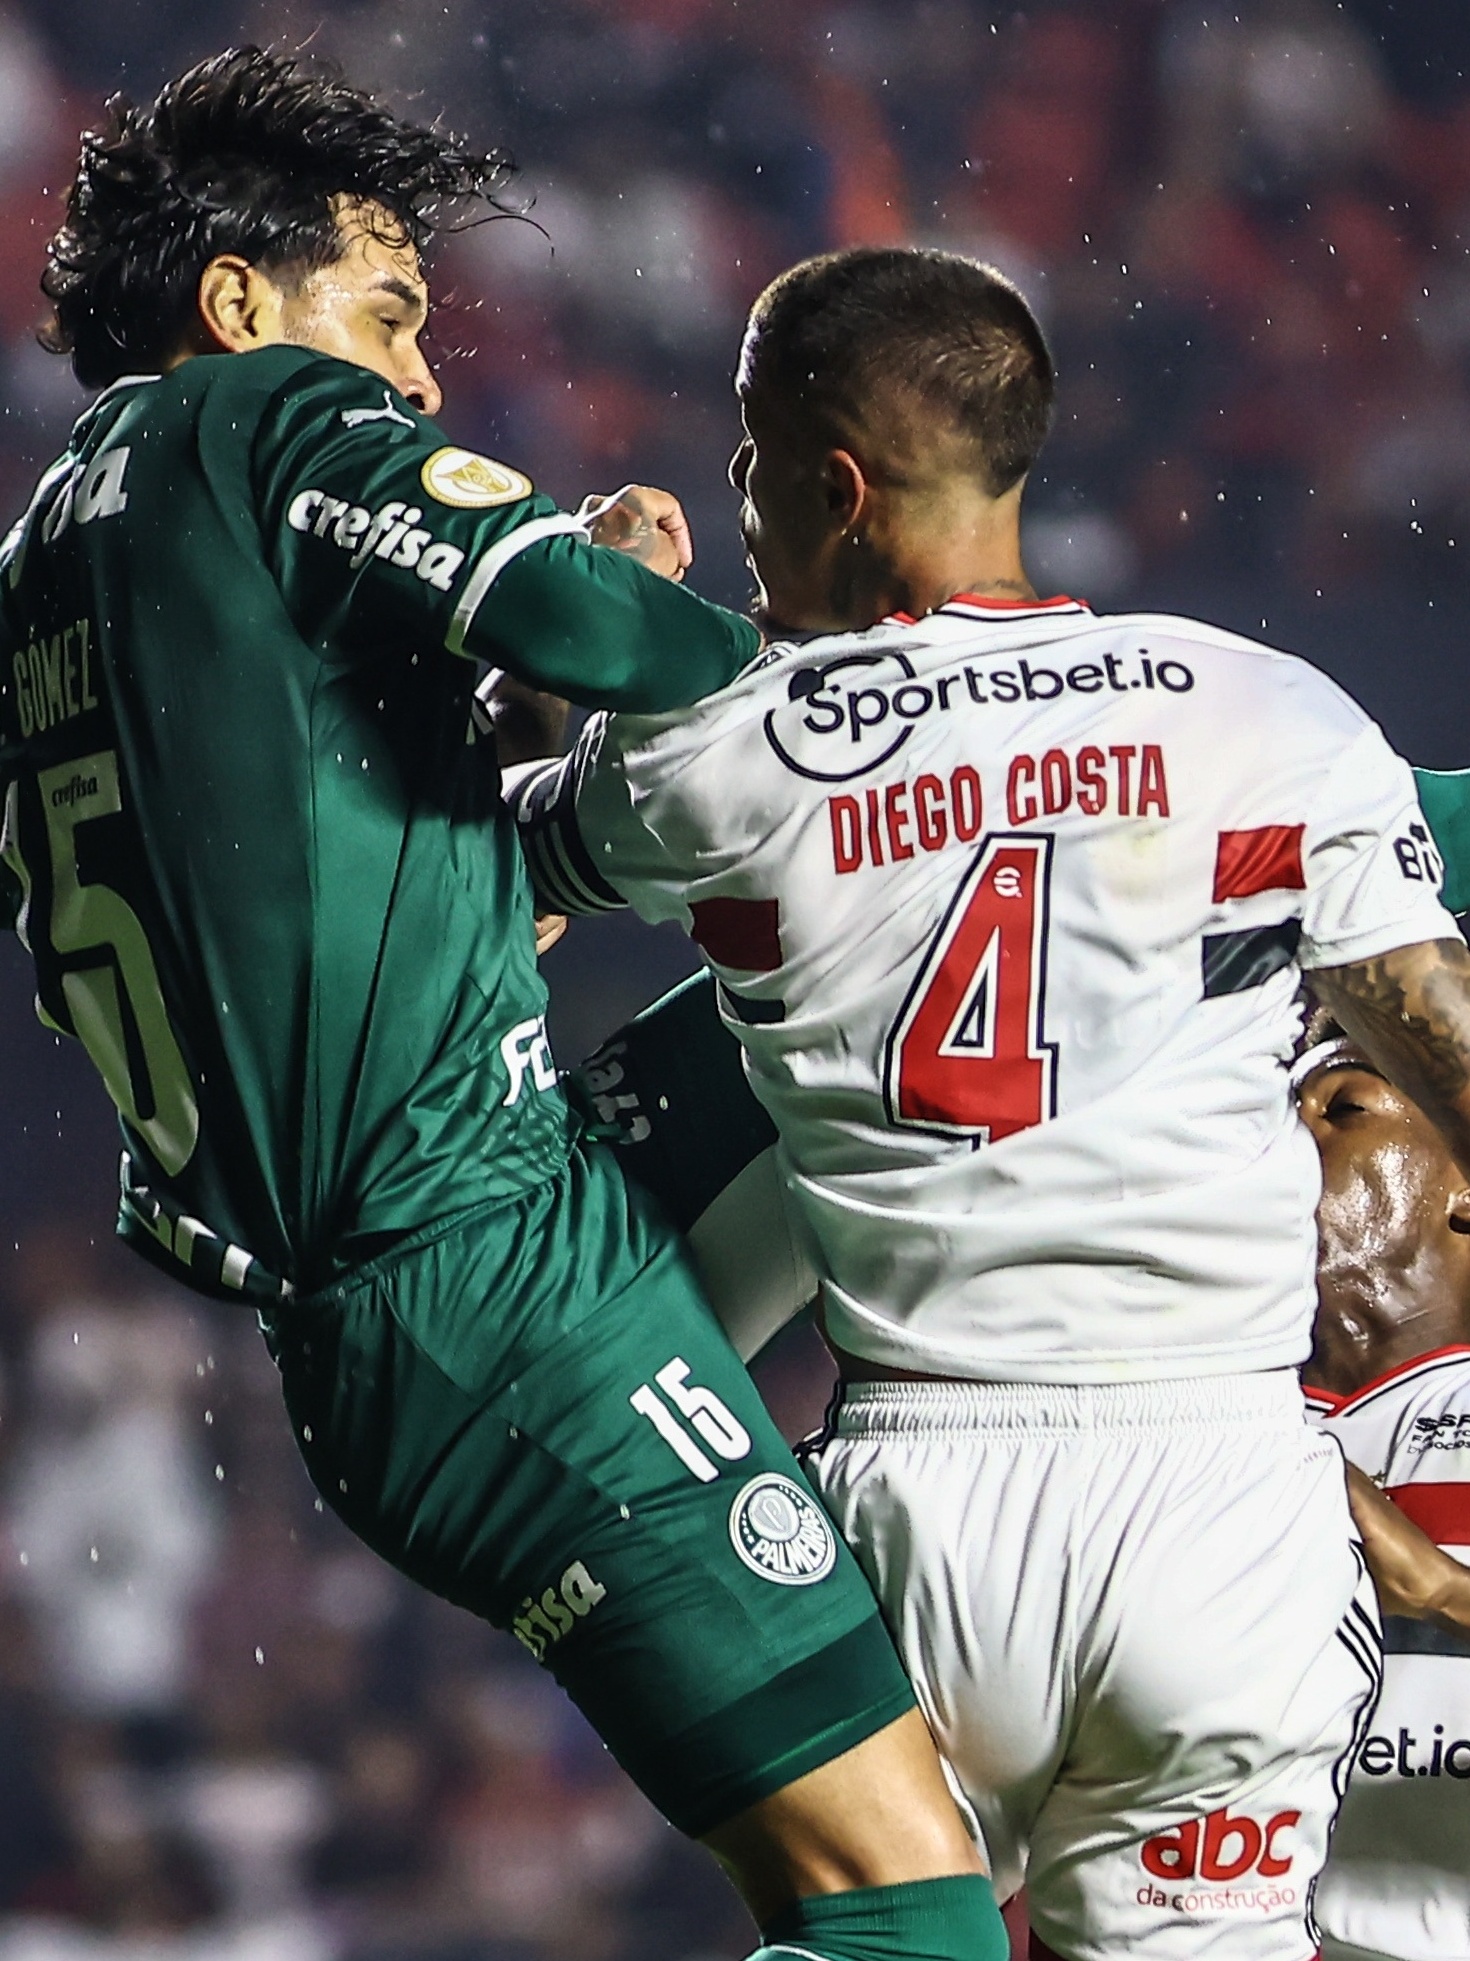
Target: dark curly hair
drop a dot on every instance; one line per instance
(244, 153)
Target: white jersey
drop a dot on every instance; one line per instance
(1007, 907)
(1398, 1880)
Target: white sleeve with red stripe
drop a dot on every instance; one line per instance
(1372, 874)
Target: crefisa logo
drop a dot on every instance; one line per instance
(781, 1533)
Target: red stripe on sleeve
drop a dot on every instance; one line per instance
(1267, 860)
(743, 933)
(1441, 1510)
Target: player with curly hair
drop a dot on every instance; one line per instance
(254, 840)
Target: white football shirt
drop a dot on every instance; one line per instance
(1398, 1878)
(1007, 906)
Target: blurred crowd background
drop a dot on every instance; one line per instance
(225, 1730)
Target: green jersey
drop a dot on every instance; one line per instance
(1444, 795)
(251, 836)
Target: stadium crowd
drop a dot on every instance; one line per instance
(225, 1730)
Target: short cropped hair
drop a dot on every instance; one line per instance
(245, 153)
(853, 332)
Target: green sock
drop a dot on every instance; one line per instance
(953, 1919)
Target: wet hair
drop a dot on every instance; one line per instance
(244, 153)
(1319, 1025)
(866, 332)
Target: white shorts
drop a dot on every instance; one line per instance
(1138, 1621)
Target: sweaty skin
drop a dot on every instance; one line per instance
(1393, 1279)
(1411, 1574)
(1393, 1226)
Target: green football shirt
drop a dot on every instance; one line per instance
(1444, 795)
(251, 837)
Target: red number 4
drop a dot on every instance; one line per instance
(966, 1055)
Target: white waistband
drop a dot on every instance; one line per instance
(873, 1409)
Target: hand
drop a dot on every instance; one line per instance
(549, 928)
(648, 524)
(1412, 1575)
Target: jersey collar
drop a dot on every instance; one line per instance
(1340, 1403)
(971, 605)
(89, 414)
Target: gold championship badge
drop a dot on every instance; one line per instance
(470, 482)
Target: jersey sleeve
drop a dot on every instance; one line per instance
(588, 831)
(1371, 870)
(378, 530)
(1444, 795)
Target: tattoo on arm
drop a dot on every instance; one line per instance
(1409, 1011)
(641, 536)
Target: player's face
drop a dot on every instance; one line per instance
(1394, 1219)
(370, 306)
(786, 522)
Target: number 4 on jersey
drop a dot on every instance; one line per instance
(966, 1055)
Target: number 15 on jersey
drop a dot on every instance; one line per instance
(967, 1055)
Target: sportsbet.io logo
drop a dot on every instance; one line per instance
(781, 1533)
(852, 715)
(848, 699)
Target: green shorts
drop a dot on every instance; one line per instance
(669, 1092)
(532, 1412)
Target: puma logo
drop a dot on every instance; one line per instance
(352, 418)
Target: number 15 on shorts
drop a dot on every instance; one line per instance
(711, 1420)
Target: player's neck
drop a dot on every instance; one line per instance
(928, 595)
(1354, 1346)
(916, 549)
(923, 580)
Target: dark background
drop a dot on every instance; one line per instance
(224, 1730)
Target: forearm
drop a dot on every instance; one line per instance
(1449, 1604)
(594, 626)
(1409, 1011)
(380, 534)
(1414, 1577)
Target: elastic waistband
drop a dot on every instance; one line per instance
(877, 1409)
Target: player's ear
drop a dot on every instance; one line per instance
(239, 307)
(1458, 1212)
(846, 488)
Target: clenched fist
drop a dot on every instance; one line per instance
(648, 524)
